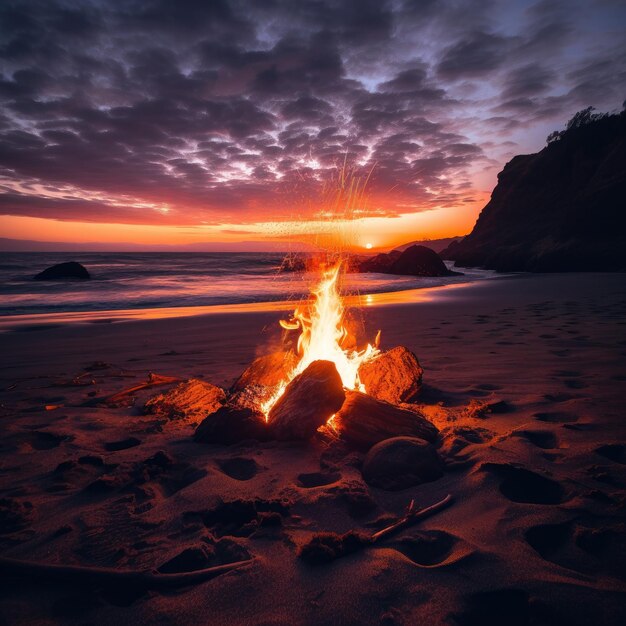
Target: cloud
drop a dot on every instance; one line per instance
(235, 111)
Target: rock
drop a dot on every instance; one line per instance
(190, 400)
(364, 421)
(63, 270)
(551, 211)
(267, 371)
(413, 261)
(380, 263)
(309, 400)
(420, 261)
(401, 462)
(230, 425)
(394, 376)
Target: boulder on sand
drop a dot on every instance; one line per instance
(394, 376)
(308, 401)
(71, 269)
(401, 462)
(230, 425)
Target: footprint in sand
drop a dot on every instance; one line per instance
(581, 548)
(553, 543)
(239, 468)
(522, 485)
(572, 383)
(561, 397)
(496, 608)
(489, 387)
(567, 373)
(124, 444)
(561, 353)
(545, 439)
(614, 452)
(42, 440)
(556, 417)
(318, 479)
(430, 548)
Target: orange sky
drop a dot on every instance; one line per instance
(355, 233)
(380, 232)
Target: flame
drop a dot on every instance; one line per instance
(323, 335)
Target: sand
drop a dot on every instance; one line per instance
(536, 533)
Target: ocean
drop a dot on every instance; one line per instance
(159, 280)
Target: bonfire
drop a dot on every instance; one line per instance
(326, 385)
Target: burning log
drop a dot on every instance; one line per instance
(309, 400)
(252, 397)
(192, 399)
(268, 371)
(364, 421)
(394, 376)
(230, 425)
(401, 462)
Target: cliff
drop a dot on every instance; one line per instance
(562, 209)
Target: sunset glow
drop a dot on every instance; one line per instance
(234, 133)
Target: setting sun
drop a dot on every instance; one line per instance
(369, 246)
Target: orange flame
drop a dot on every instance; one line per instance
(324, 336)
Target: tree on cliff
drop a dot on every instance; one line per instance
(581, 118)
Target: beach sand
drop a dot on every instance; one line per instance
(536, 533)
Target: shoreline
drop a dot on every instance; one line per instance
(10, 323)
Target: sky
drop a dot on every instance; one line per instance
(375, 122)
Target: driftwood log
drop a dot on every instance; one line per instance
(309, 400)
(192, 399)
(364, 421)
(125, 397)
(137, 579)
(326, 547)
(394, 376)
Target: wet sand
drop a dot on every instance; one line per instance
(536, 534)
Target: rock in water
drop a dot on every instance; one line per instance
(364, 421)
(401, 462)
(190, 400)
(414, 261)
(63, 270)
(394, 376)
(307, 403)
(268, 370)
(230, 425)
(380, 263)
(420, 261)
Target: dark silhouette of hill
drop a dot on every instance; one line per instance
(562, 209)
(434, 244)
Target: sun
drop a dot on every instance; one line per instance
(369, 246)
